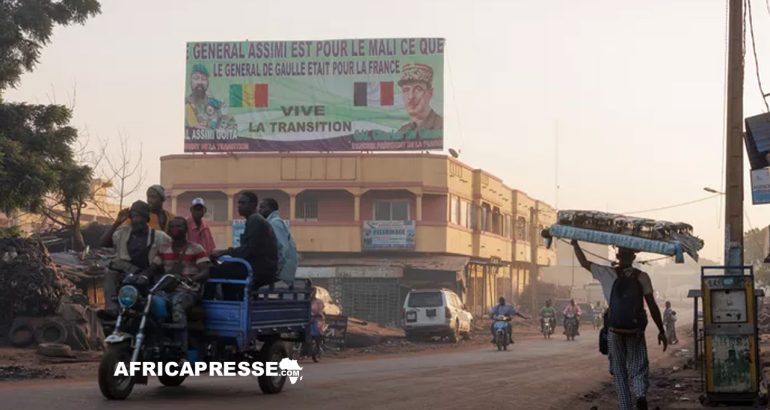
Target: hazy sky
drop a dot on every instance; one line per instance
(635, 87)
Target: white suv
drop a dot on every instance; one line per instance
(435, 312)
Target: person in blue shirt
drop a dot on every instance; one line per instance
(287, 248)
(503, 309)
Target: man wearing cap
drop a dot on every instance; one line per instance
(417, 89)
(159, 217)
(197, 229)
(201, 110)
(136, 243)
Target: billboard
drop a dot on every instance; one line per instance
(388, 235)
(333, 95)
(757, 139)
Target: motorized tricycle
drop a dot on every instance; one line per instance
(233, 323)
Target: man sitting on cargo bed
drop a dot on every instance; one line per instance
(258, 243)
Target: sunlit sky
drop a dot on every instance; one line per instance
(634, 90)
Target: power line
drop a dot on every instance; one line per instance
(671, 206)
(754, 51)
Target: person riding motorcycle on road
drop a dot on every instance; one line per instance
(546, 312)
(189, 262)
(574, 310)
(598, 311)
(503, 309)
(136, 246)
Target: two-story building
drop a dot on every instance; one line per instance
(370, 227)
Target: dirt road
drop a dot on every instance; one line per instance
(534, 374)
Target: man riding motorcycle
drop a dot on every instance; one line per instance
(547, 312)
(189, 263)
(136, 246)
(598, 312)
(572, 310)
(503, 309)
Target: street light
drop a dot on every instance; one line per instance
(713, 191)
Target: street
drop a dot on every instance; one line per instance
(533, 374)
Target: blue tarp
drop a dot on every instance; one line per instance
(672, 248)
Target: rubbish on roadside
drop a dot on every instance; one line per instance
(54, 350)
(30, 284)
(22, 373)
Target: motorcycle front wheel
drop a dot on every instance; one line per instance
(115, 387)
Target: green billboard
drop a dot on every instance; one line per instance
(331, 95)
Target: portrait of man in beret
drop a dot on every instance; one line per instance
(202, 110)
(417, 90)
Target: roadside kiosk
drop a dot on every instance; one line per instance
(731, 350)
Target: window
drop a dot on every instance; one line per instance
(540, 239)
(475, 216)
(497, 222)
(486, 218)
(454, 210)
(307, 209)
(425, 299)
(465, 214)
(391, 210)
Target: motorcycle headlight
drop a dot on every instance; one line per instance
(127, 296)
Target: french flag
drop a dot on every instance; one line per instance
(373, 94)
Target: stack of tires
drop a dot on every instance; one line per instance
(28, 331)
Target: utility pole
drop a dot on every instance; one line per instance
(533, 245)
(734, 139)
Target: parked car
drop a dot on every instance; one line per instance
(436, 312)
(330, 307)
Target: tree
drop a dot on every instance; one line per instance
(754, 252)
(125, 173)
(36, 155)
(26, 26)
(73, 191)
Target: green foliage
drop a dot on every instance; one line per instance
(754, 253)
(35, 146)
(26, 26)
(36, 156)
(12, 232)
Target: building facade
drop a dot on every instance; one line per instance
(370, 227)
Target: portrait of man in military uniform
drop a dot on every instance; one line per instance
(417, 90)
(202, 110)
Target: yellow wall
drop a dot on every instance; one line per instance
(418, 174)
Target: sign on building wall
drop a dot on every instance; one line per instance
(388, 235)
(335, 95)
(760, 186)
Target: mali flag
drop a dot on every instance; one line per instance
(248, 95)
